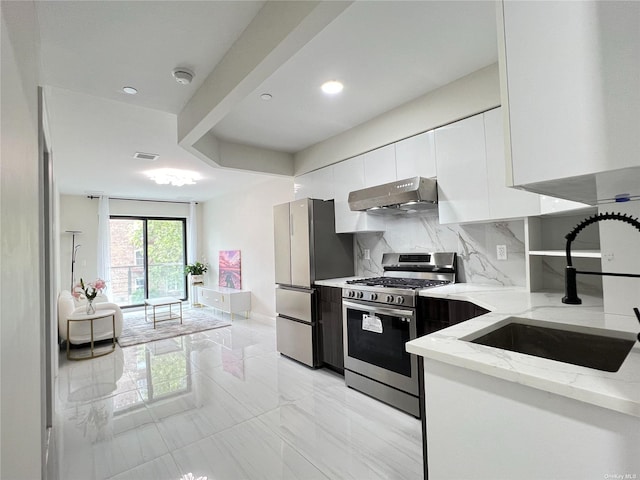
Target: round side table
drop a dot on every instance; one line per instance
(83, 317)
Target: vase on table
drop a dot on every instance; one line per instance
(90, 308)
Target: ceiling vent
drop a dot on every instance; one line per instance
(145, 156)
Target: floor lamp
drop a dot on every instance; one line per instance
(74, 251)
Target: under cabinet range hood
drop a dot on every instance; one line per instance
(402, 196)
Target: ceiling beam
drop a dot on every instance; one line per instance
(235, 156)
(277, 32)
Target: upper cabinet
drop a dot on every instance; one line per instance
(416, 156)
(463, 191)
(471, 173)
(349, 176)
(379, 166)
(503, 202)
(412, 157)
(317, 184)
(569, 79)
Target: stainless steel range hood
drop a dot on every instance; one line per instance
(402, 196)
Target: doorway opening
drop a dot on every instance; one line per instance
(148, 258)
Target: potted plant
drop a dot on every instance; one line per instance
(196, 270)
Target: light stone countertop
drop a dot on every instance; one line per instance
(335, 282)
(618, 391)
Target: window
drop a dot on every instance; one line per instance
(147, 259)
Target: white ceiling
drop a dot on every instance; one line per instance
(386, 53)
(98, 47)
(95, 139)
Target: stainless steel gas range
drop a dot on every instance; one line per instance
(380, 315)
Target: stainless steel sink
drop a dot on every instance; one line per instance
(593, 350)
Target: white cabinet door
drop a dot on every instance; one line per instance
(416, 156)
(228, 300)
(504, 202)
(316, 184)
(379, 166)
(349, 176)
(549, 205)
(238, 302)
(572, 91)
(463, 194)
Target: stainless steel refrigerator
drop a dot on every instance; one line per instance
(307, 249)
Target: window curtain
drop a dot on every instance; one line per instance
(104, 241)
(192, 234)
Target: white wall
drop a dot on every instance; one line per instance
(78, 213)
(469, 95)
(81, 213)
(244, 221)
(21, 422)
(619, 244)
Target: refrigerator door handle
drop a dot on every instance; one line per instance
(297, 289)
(291, 224)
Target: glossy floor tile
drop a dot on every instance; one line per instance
(223, 404)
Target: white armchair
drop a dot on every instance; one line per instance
(80, 332)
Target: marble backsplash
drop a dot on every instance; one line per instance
(475, 245)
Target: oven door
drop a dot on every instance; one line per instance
(374, 343)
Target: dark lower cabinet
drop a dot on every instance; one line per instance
(438, 313)
(460, 311)
(330, 328)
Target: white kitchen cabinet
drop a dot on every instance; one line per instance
(416, 156)
(228, 300)
(504, 202)
(349, 176)
(317, 184)
(569, 79)
(379, 166)
(550, 205)
(463, 193)
(470, 160)
(515, 431)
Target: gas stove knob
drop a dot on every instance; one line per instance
(399, 300)
(351, 293)
(374, 296)
(359, 295)
(389, 299)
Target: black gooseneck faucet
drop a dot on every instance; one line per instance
(570, 288)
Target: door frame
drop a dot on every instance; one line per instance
(145, 219)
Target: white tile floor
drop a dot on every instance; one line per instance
(225, 405)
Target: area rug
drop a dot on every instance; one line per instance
(136, 330)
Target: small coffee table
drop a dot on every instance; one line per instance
(165, 315)
(84, 317)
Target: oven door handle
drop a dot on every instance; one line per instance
(385, 311)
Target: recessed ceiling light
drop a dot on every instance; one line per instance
(173, 176)
(332, 87)
(129, 90)
(266, 96)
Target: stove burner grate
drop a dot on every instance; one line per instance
(395, 282)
